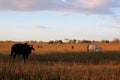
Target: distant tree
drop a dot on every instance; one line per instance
(73, 41)
(79, 41)
(116, 40)
(51, 42)
(59, 41)
(105, 41)
(9, 41)
(40, 41)
(66, 40)
(85, 41)
(93, 41)
(33, 41)
(26, 41)
(56, 41)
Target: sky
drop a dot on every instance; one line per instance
(45, 20)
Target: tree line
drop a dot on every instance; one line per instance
(115, 40)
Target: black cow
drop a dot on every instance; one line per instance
(72, 47)
(21, 49)
(39, 46)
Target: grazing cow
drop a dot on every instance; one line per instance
(21, 49)
(94, 48)
(72, 47)
(39, 46)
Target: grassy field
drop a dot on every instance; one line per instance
(60, 62)
(5, 47)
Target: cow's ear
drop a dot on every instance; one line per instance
(25, 43)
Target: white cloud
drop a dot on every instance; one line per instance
(38, 27)
(64, 14)
(78, 6)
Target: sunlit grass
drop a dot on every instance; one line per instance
(59, 71)
(60, 62)
(62, 66)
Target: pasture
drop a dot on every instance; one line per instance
(61, 62)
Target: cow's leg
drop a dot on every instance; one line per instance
(27, 56)
(24, 57)
(18, 55)
(14, 56)
(11, 53)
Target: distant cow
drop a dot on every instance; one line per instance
(72, 47)
(39, 46)
(21, 49)
(94, 48)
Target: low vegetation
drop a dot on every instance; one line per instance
(62, 66)
(60, 62)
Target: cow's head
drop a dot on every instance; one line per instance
(31, 47)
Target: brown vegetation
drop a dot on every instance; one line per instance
(5, 47)
(61, 62)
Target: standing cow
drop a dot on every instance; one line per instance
(21, 49)
(94, 48)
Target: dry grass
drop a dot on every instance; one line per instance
(60, 62)
(59, 71)
(62, 66)
(47, 48)
(82, 47)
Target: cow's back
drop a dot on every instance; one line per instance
(91, 48)
(17, 48)
(94, 48)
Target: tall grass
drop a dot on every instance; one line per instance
(59, 71)
(79, 57)
(62, 66)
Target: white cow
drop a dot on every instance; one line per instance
(94, 48)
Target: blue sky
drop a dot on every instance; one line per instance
(45, 20)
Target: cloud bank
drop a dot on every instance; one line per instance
(74, 6)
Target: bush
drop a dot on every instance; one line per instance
(116, 40)
(51, 42)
